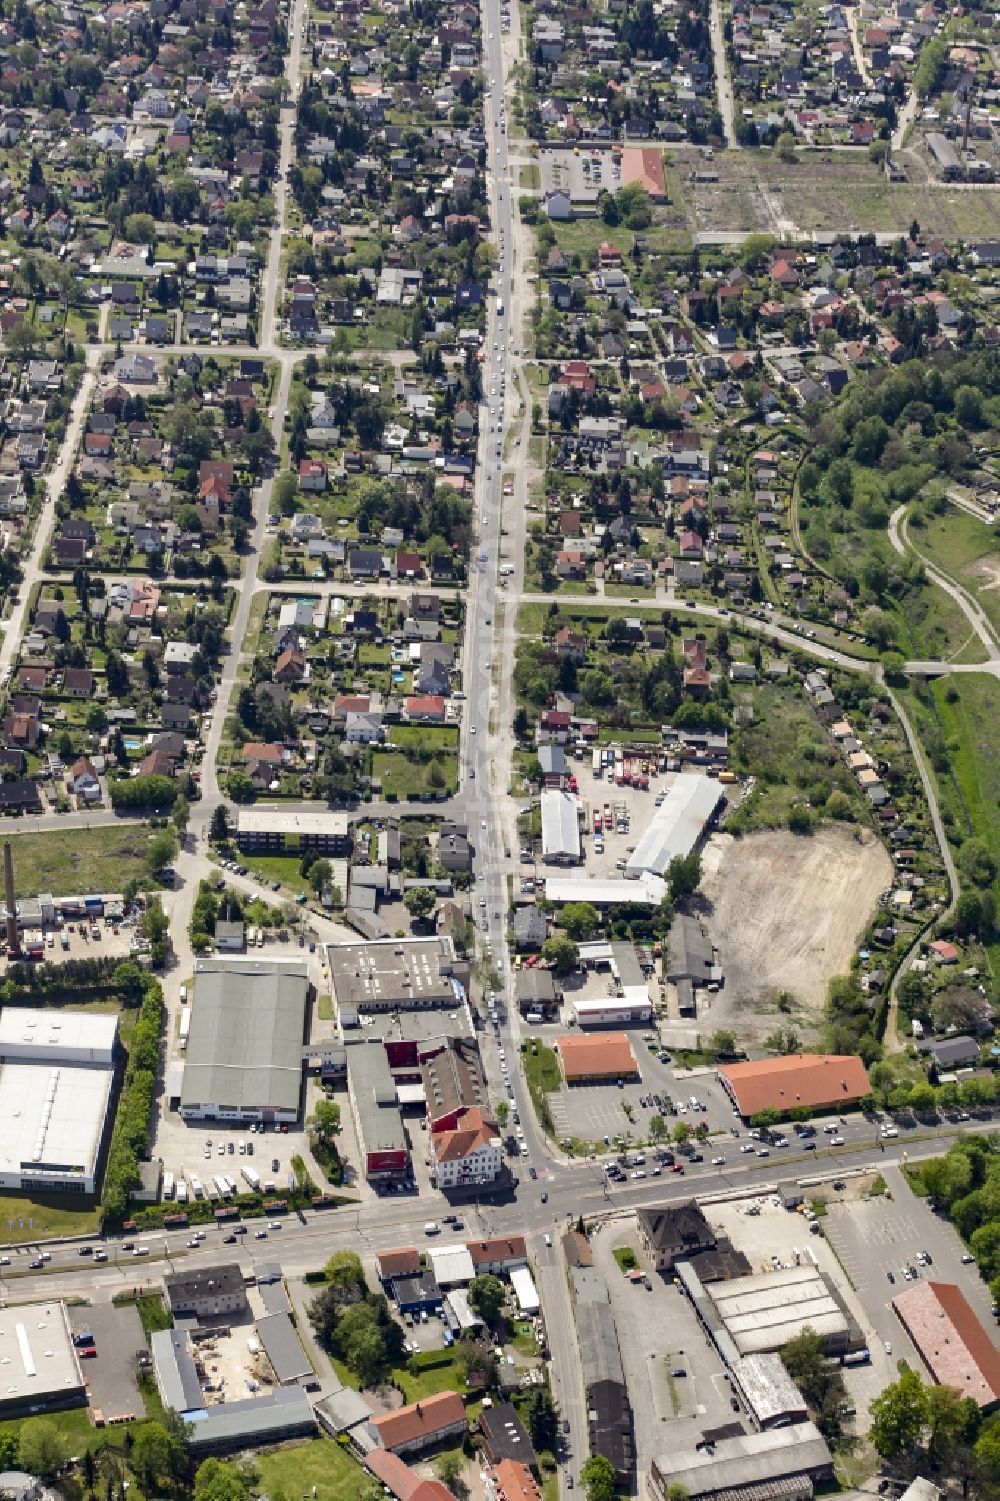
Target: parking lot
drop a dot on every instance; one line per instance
(881, 1235)
(596, 1111)
(638, 807)
(565, 169)
(659, 1334)
(111, 1374)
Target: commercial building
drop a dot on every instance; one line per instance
(609, 1412)
(421, 1425)
(690, 961)
(678, 825)
(56, 1087)
(246, 1041)
(453, 1083)
(292, 829)
(672, 1233)
(951, 1341)
(206, 1292)
(588, 1059)
(761, 1312)
(41, 1371)
(500, 1256)
(468, 1154)
(274, 1418)
(452, 1265)
(780, 1465)
(374, 1103)
(395, 974)
(536, 990)
(820, 1081)
(560, 827)
(401, 1482)
(615, 1011)
(609, 891)
(771, 1396)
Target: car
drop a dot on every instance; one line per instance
(907, 1274)
(532, 1173)
(748, 1146)
(274, 1225)
(718, 1162)
(85, 1251)
(100, 1255)
(808, 1146)
(545, 1197)
(275, 1164)
(229, 1240)
(86, 1352)
(678, 1371)
(967, 1260)
(569, 1482)
(260, 1235)
(891, 1276)
(677, 1167)
(888, 1347)
(275, 885)
(36, 1265)
(836, 1141)
(128, 1245)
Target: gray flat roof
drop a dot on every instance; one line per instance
(677, 825)
(560, 824)
(303, 818)
(747, 1460)
(374, 1093)
(175, 1369)
(410, 973)
(257, 1420)
(247, 1029)
(283, 1348)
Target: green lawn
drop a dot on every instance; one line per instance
(319, 1467)
(49, 1215)
(424, 736)
(402, 778)
(544, 1077)
(967, 550)
(440, 1374)
(284, 868)
(79, 860)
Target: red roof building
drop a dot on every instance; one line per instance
(817, 1080)
(951, 1341)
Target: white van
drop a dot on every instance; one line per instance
(533, 1017)
(432, 1228)
(141, 1251)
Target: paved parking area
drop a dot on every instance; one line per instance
(881, 1235)
(658, 1333)
(593, 1111)
(639, 806)
(119, 1337)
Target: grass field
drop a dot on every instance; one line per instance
(400, 777)
(441, 1374)
(544, 1077)
(284, 868)
(967, 550)
(78, 860)
(46, 1216)
(317, 1468)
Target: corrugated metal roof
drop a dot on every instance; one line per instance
(677, 825)
(560, 824)
(247, 1028)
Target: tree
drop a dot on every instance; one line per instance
(486, 1297)
(657, 1128)
(219, 827)
(766, 1117)
(345, 1274)
(899, 1415)
(215, 1480)
(800, 819)
(952, 1419)
(784, 146)
(684, 875)
(804, 1358)
(598, 1476)
(320, 873)
(324, 1123)
(562, 953)
(161, 850)
(180, 813)
(154, 1456)
(723, 1042)
(450, 1465)
(501, 1110)
(240, 787)
(420, 902)
(839, 805)
(579, 920)
(542, 1418)
(42, 1450)
(682, 1132)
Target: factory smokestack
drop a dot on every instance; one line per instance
(13, 942)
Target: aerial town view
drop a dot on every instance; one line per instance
(500, 693)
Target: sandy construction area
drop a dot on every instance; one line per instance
(785, 913)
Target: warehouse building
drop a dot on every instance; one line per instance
(769, 1393)
(245, 1051)
(560, 827)
(645, 890)
(283, 1348)
(951, 1341)
(820, 1081)
(596, 1059)
(41, 1371)
(609, 1412)
(374, 1102)
(690, 961)
(291, 828)
(678, 825)
(781, 1465)
(761, 1312)
(57, 1074)
(273, 1418)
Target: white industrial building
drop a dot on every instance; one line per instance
(646, 890)
(615, 1011)
(770, 1394)
(560, 827)
(41, 1369)
(56, 1084)
(677, 826)
(764, 1311)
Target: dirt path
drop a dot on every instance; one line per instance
(785, 914)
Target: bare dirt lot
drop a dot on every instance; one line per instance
(785, 914)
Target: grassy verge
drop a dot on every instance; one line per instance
(46, 1216)
(626, 1258)
(152, 1310)
(541, 1070)
(75, 861)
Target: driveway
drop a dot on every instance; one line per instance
(119, 1337)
